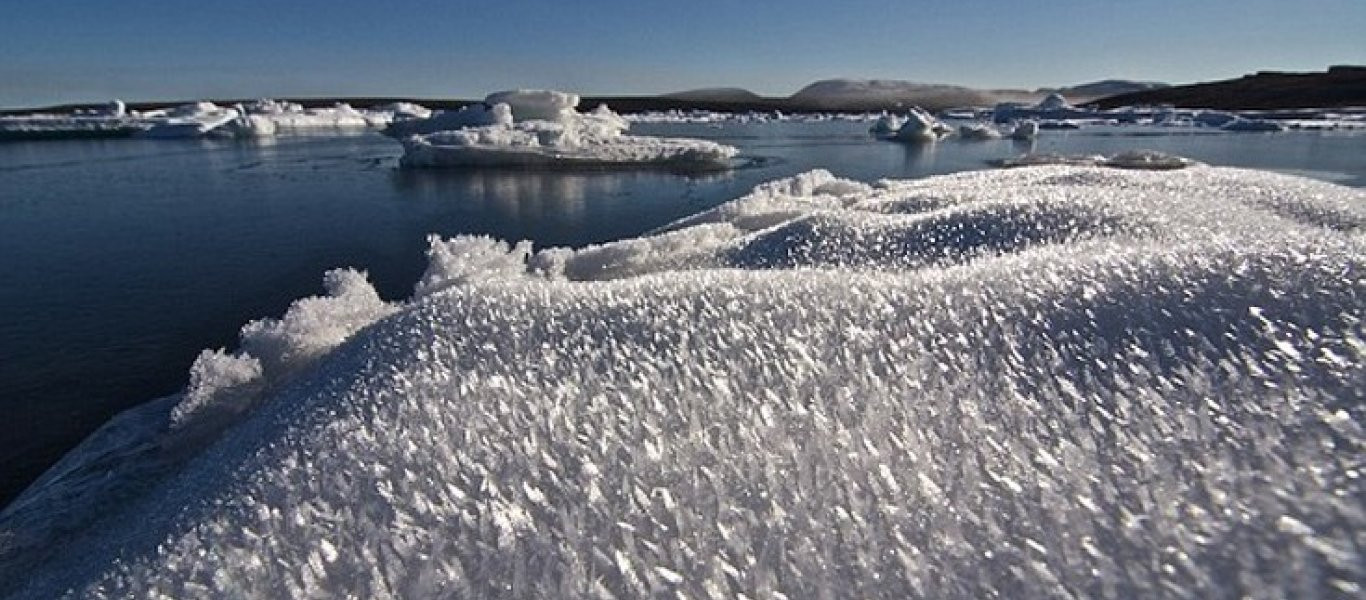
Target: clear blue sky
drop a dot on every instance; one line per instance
(55, 51)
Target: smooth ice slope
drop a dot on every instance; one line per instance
(1043, 382)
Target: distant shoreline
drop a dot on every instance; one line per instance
(621, 104)
(1338, 87)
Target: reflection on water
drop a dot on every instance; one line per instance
(550, 207)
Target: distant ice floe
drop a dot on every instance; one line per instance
(399, 119)
(1145, 160)
(541, 128)
(1052, 108)
(198, 119)
(1048, 382)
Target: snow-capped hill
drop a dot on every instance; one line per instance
(879, 93)
(716, 94)
(1107, 87)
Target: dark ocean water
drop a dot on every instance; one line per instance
(121, 259)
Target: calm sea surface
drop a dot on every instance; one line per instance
(121, 259)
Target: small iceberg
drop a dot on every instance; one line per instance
(1025, 130)
(920, 126)
(886, 126)
(195, 119)
(541, 128)
(978, 131)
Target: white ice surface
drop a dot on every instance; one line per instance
(271, 117)
(920, 126)
(542, 129)
(1044, 382)
(536, 105)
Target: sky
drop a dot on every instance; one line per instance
(56, 51)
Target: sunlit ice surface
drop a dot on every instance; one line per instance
(1051, 381)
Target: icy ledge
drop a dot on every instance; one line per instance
(1044, 382)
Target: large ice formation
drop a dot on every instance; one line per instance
(1046, 382)
(541, 128)
(272, 117)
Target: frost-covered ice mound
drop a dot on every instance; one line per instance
(541, 128)
(1047, 382)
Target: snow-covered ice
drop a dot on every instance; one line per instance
(1055, 381)
(474, 115)
(920, 126)
(197, 119)
(187, 120)
(272, 117)
(541, 128)
(886, 126)
(978, 131)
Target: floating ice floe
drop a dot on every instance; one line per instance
(197, 119)
(112, 121)
(1146, 160)
(534, 128)
(1036, 383)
